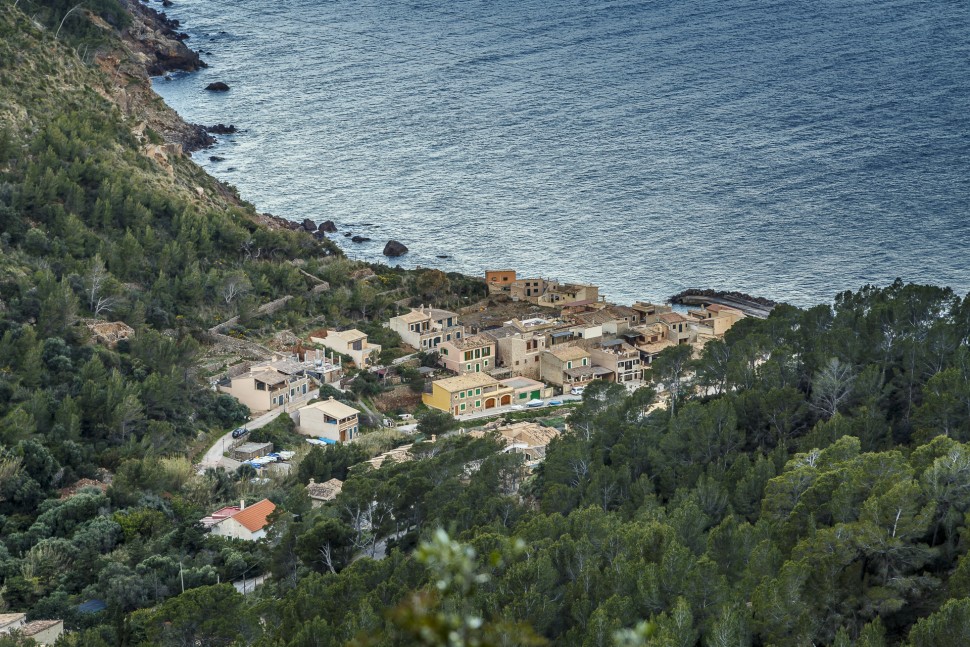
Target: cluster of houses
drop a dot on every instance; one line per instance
(582, 338)
(576, 337)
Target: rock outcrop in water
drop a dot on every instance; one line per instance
(221, 129)
(394, 249)
(218, 86)
(309, 225)
(328, 226)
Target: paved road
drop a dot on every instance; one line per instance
(214, 455)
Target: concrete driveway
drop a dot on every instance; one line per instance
(213, 457)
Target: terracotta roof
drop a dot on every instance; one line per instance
(37, 626)
(9, 618)
(471, 341)
(326, 491)
(568, 353)
(462, 382)
(253, 518)
(717, 307)
(672, 317)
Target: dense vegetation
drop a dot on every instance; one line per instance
(807, 483)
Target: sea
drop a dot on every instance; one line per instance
(788, 149)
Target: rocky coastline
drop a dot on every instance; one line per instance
(159, 48)
(153, 46)
(752, 306)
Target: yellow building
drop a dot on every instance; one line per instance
(467, 394)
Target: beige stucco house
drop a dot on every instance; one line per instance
(352, 343)
(426, 328)
(567, 367)
(330, 419)
(264, 388)
(518, 350)
(679, 328)
(622, 359)
(717, 317)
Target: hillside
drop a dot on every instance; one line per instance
(807, 483)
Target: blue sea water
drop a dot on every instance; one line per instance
(789, 149)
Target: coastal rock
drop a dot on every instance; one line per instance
(216, 158)
(154, 38)
(328, 226)
(359, 239)
(309, 225)
(443, 256)
(218, 86)
(394, 249)
(167, 3)
(348, 235)
(221, 129)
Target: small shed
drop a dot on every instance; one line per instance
(249, 451)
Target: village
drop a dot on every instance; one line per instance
(509, 368)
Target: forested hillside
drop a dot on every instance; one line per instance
(808, 483)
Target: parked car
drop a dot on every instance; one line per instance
(577, 390)
(534, 403)
(239, 432)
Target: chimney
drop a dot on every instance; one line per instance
(242, 504)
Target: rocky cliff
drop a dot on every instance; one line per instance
(151, 46)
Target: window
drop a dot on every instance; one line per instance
(584, 361)
(468, 367)
(478, 391)
(462, 407)
(461, 394)
(522, 396)
(478, 403)
(444, 351)
(569, 364)
(304, 388)
(486, 363)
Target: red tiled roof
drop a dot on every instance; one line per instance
(254, 517)
(672, 317)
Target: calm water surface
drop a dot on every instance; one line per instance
(787, 149)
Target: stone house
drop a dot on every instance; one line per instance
(472, 354)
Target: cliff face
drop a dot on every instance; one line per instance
(151, 46)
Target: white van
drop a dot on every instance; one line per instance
(577, 390)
